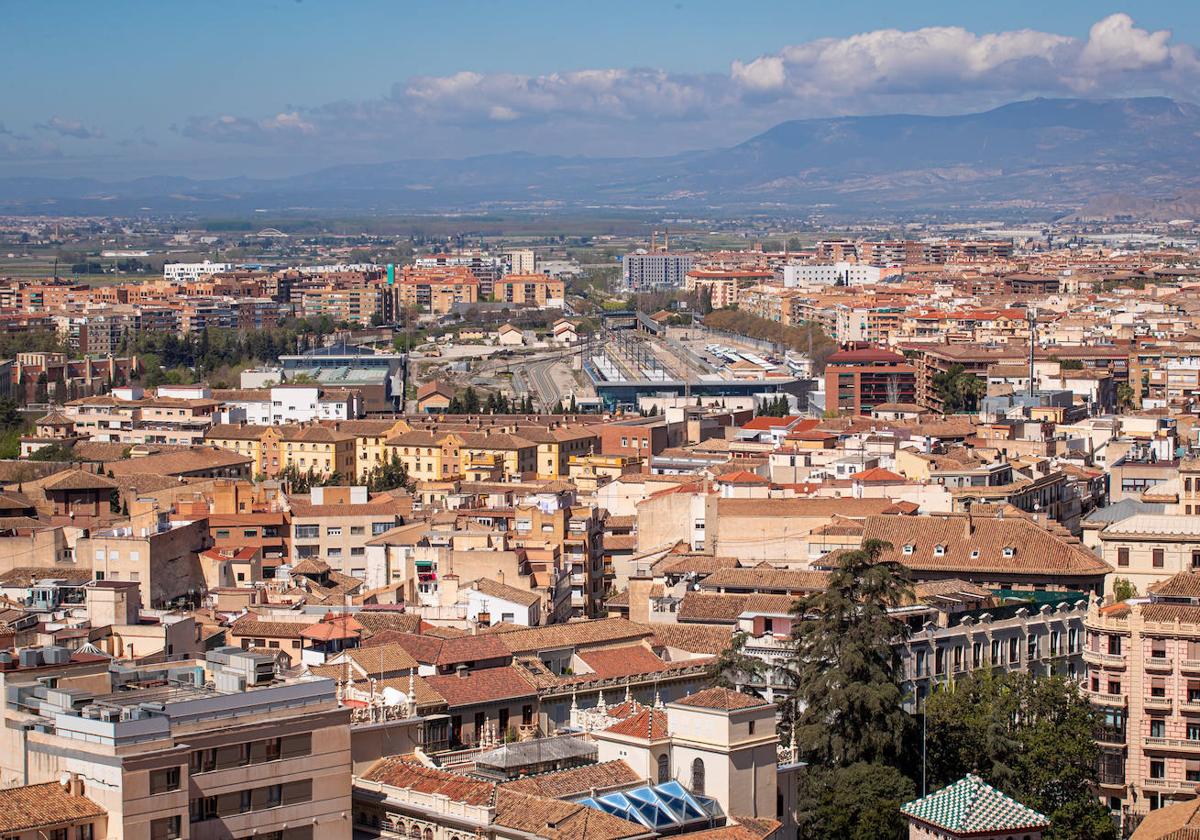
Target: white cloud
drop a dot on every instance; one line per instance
(70, 128)
(942, 69)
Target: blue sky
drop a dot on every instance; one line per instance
(218, 88)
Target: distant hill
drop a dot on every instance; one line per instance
(1042, 157)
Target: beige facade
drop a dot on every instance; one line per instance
(1147, 548)
(195, 763)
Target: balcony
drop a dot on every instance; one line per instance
(1190, 704)
(1171, 784)
(1183, 744)
(1107, 660)
(1189, 666)
(1161, 703)
(1159, 664)
(1102, 699)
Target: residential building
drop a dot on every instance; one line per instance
(165, 755)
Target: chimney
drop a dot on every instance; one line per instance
(461, 671)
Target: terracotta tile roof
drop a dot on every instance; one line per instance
(1178, 821)
(78, 480)
(809, 507)
(1170, 613)
(621, 599)
(504, 592)
(311, 566)
(316, 434)
(234, 431)
(748, 828)
(744, 477)
(194, 459)
(985, 545)
(709, 639)
(1182, 585)
(879, 474)
(249, 625)
(649, 724)
(713, 607)
(377, 620)
(622, 661)
(767, 579)
(721, 698)
(573, 634)
(379, 660)
(699, 563)
(38, 806)
(557, 820)
(486, 685)
(607, 775)
(403, 774)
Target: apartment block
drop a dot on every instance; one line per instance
(199, 749)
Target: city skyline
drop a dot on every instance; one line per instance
(274, 89)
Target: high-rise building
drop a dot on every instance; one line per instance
(651, 272)
(522, 261)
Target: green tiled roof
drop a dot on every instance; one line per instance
(972, 805)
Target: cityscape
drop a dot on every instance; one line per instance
(640, 421)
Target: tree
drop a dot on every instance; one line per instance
(1123, 589)
(53, 452)
(1125, 397)
(858, 802)
(389, 475)
(734, 667)
(471, 401)
(847, 669)
(958, 390)
(1030, 737)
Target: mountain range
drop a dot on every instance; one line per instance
(1038, 158)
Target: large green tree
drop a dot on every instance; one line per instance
(958, 390)
(847, 670)
(1030, 737)
(858, 802)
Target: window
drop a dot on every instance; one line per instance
(1191, 770)
(204, 808)
(664, 770)
(698, 776)
(1158, 728)
(1193, 691)
(908, 549)
(333, 531)
(1193, 730)
(307, 532)
(939, 550)
(1158, 649)
(1114, 645)
(164, 780)
(357, 530)
(1158, 687)
(222, 533)
(378, 528)
(167, 828)
(358, 551)
(1158, 769)
(1157, 555)
(1014, 650)
(250, 532)
(1009, 551)
(1123, 556)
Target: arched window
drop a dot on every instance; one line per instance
(664, 770)
(429, 834)
(415, 832)
(698, 776)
